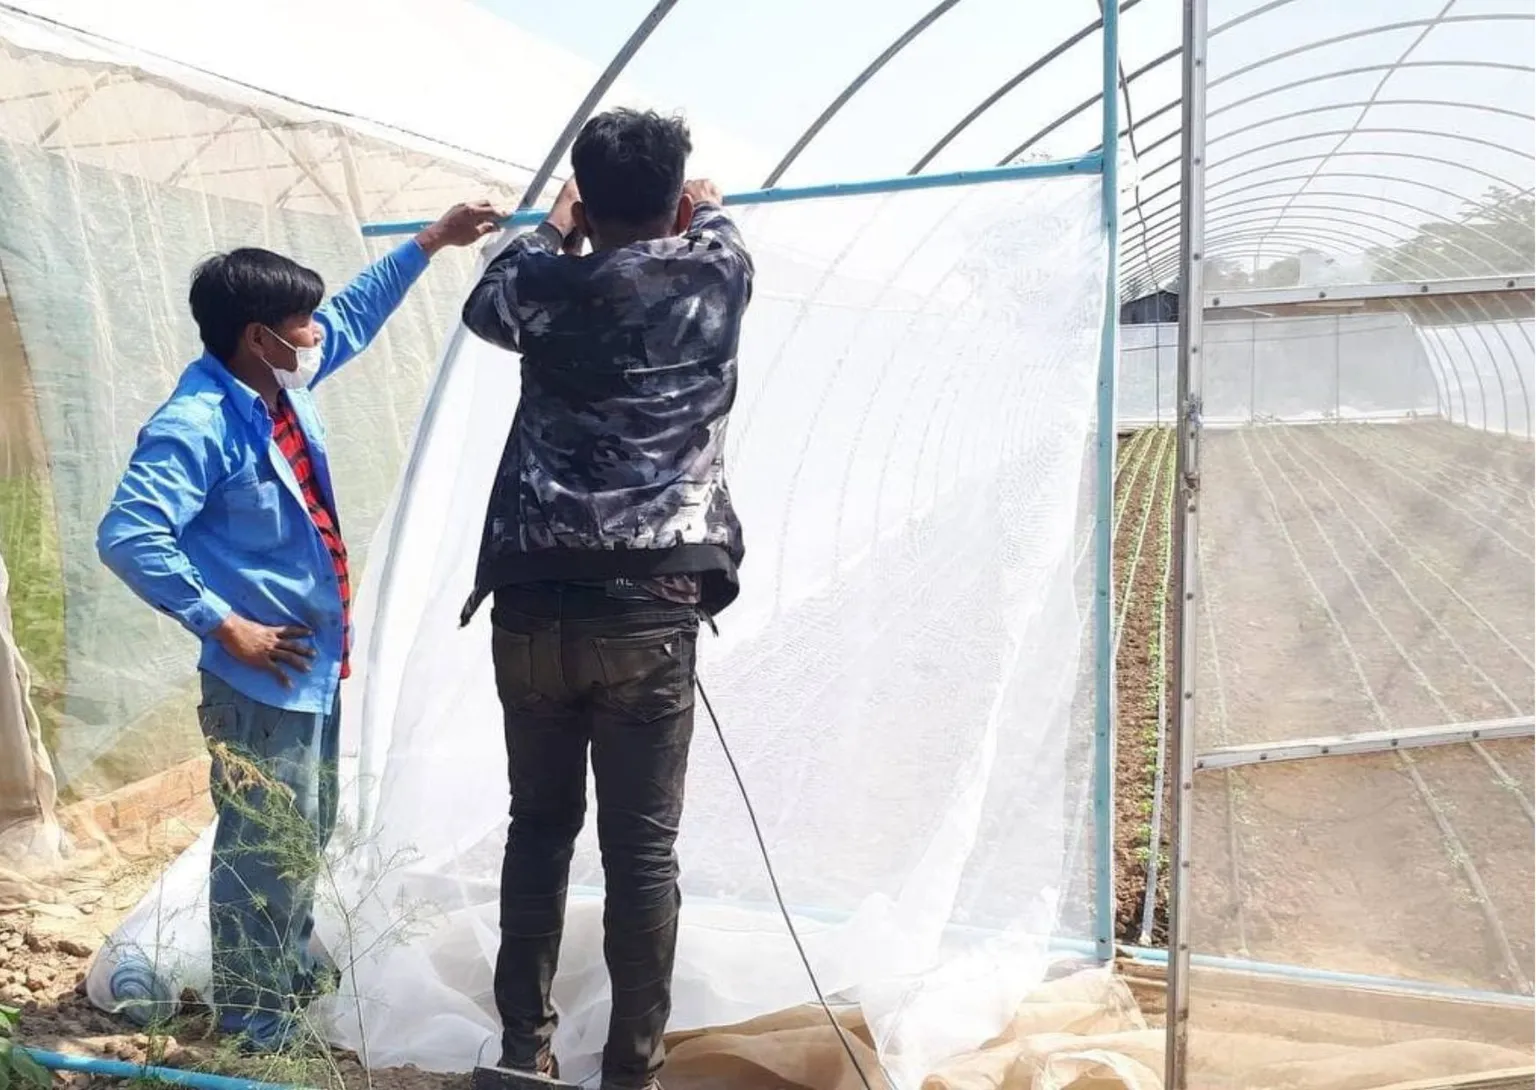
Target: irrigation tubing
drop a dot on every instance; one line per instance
(1224, 727)
(1141, 536)
(1315, 483)
(1445, 501)
(1418, 558)
(143, 1073)
(1442, 821)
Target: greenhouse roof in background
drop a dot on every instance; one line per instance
(1369, 140)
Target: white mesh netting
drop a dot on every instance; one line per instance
(896, 681)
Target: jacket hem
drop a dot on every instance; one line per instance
(712, 563)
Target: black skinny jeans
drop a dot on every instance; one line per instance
(575, 667)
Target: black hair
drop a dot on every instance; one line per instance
(629, 166)
(231, 291)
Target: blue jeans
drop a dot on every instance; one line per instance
(274, 793)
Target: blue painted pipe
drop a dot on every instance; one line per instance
(1088, 164)
(118, 1069)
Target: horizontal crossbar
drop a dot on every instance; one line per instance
(1088, 164)
(1151, 955)
(1337, 293)
(1372, 742)
(1062, 944)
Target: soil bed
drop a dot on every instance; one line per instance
(1140, 572)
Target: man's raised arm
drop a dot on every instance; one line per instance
(353, 316)
(492, 312)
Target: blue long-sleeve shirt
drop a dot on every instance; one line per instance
(209, 518)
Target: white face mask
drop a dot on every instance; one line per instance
(309, 360)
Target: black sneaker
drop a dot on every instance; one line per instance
(507, 1076)
(547, 1067)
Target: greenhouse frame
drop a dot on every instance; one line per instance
(1135, 673)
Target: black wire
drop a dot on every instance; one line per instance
(762, 847)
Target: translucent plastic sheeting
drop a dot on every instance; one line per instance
(466, 123)
(1362, 577)
(1077, 909)
(1359, 366)
(1147, 388)
(734, 85)
(116, 185)
(1485, 372)
(1414, 865)
(29, 834)
(896, 681)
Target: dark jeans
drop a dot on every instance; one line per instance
(274, 790)
(575, 667)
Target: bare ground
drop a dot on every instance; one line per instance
(45, 950)
(1355, 577)
(1358, 578)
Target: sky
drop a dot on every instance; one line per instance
(766, 70)
(1391, 148)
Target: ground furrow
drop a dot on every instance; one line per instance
(1385, 721)
(1414, 550)
(1317, 486)
(1517, 549)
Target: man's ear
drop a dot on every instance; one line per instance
(684, 214)
(254, 339)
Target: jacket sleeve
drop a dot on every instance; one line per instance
(353, 316)
(166, 484)
(715, 235)
(491, 312)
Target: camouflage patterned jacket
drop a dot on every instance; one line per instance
(614, 467)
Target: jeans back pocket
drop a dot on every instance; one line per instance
(648, 675)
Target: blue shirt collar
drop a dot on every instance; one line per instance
(247, 400)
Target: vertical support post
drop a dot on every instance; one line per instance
(1103, 600)
(1186, 531)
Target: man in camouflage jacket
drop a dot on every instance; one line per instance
(609, 531)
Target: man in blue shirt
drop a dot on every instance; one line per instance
(225, 520)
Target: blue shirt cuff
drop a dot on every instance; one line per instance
(206, 614)
(411, 257)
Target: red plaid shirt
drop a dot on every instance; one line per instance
(290, 440)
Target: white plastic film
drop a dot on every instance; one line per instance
(917, 383)
(116, 185)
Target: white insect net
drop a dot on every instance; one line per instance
(897, 681)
